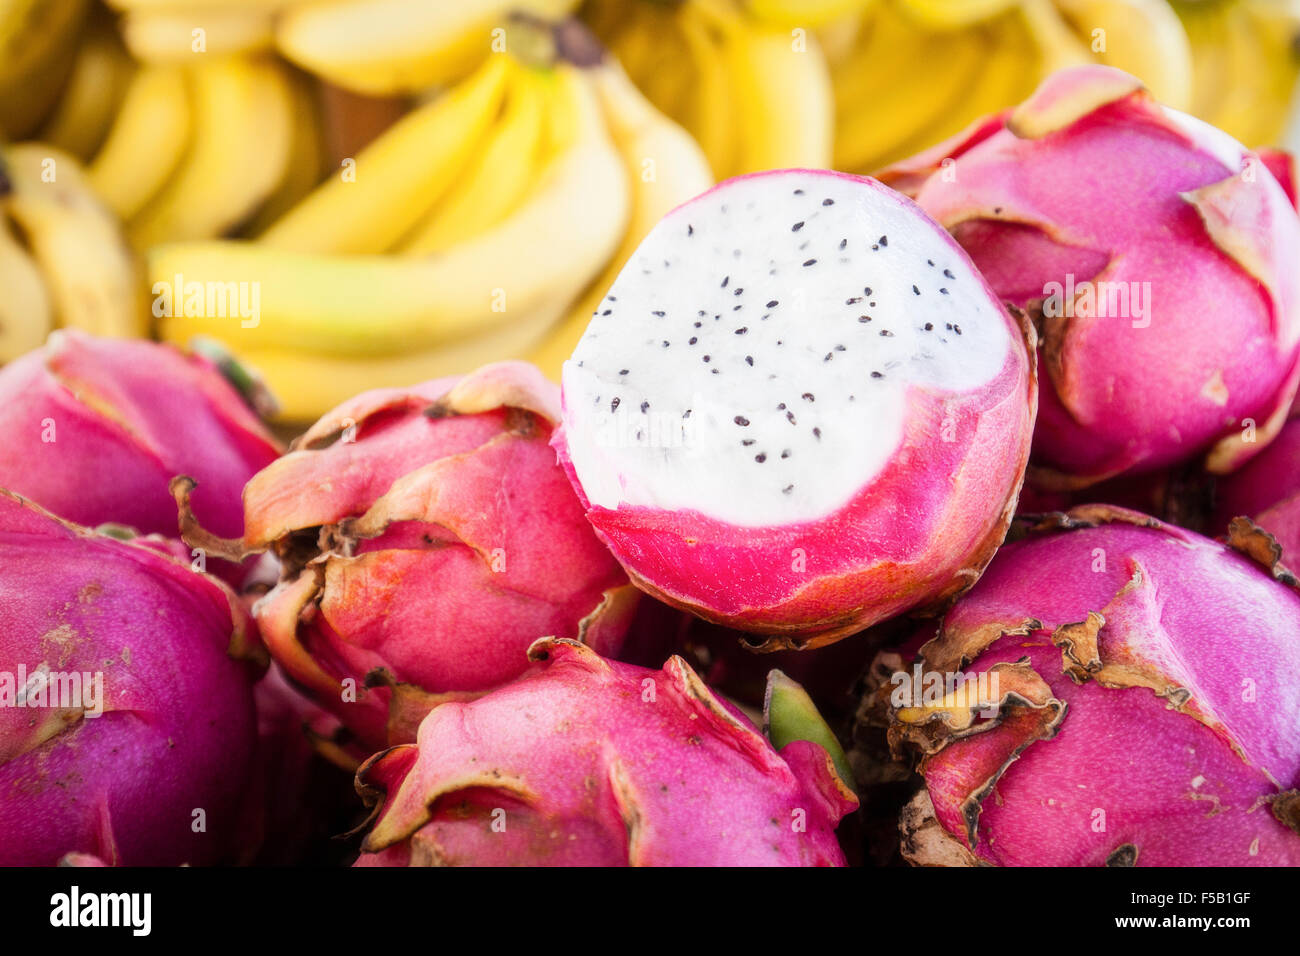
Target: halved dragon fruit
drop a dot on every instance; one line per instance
(1114, 691)
(799, 410)
(1157, 257)
(587, 762)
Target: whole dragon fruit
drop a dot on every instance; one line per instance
(127, 727)
(427, 538)
(96, 428)
(799, 410)
(587, 762)
(1114, 691)
(1267, 490)
(1155, 254)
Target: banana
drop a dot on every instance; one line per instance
(91, 95)
(547, 251)
(785, 114)
(37, 43)
(665, 166)
(805, 13)
(953, 14)
(1142, 37)
(26, 314)
(306, 165)
(178, 36)
(711, 115)
(500, 179)
(399, 176)
(399, 46)
(93, 278)
(1058, 47)
(306, 384)
(898, 125)
(1206, 30)
(237, 156)
(146, 142)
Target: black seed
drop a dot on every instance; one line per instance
(787, 489)
(725, 280)
(707, 358)
(613, 406)
(864, 318)
(789, 416)
(957, 329)
(611, 298)
(810, 262)
(773, 304)
(687, 414)
(828, 357)
(765, 317)
(884, 240)
(786, 453)
(737, 308)
(929, 326)
(915, 290)
(943, 291)
(715, 371)
(760, 457)
(948, 326)
(742, 330)
(843, 243)
(741, 420)
(839, 348)
(690, 230)
(828, 202)
(660, 314)
(738, 291)
(867, 291)
(665, 343)
(693, 340)
(698, 324)
(749, 360)
(997, 210)
(701, 313)
(645, 407)
(817, 433)
(798, 192)
(796, 227)
(853, 301)
(877, 375)
(808, 397)
(875, 248)
(948, 273)
(622, 371)
(781, 407)
(746, 442)
(607, 312)
(639, 434)
(886, 333)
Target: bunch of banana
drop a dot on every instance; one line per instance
(910, 73)
(63, 260)
(476, 228)
(754, 94)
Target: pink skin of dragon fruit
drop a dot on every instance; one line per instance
(1149, 682)
(427, 538)
(1178, 247)
(119, 775)
(1267, 490)
(799, 410)
(587, 762)
(96, 428)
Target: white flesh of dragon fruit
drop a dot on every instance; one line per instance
(752, 361)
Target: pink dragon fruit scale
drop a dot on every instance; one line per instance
(1267, 490)
(588, 762)
(427, 537)
(127, 724)
(1157, 257)
(1113, 691)
(800, 410)
(96, 428)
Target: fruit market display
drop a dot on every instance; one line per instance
(649, 432)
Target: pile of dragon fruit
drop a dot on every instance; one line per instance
(944, 517)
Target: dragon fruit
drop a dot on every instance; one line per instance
(1114, 691)
(96, 428)
(799, 410)
(127, 726)
(584, 761)
(1267, 489)
(1157, 258)
(427, 538)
